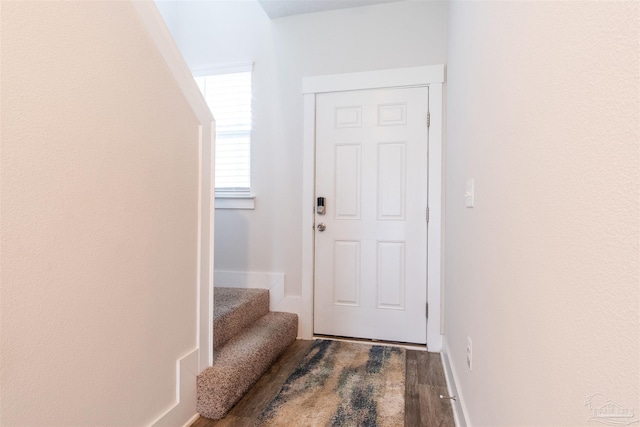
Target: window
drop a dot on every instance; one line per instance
(229, 98)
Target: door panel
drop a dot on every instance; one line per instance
(347, 174)
(391, 275)
(346, 276)
(371, 167)
(392, 176)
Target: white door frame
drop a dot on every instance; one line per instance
(432, 76)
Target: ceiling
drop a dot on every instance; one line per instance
(280, 8)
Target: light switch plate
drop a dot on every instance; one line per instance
(468, 195)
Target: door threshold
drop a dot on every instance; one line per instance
(405, 345)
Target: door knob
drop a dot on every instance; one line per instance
(322, 226)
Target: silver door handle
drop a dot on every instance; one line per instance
(322, 226)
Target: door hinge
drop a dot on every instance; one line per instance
(429, 119)
(427, 310)
(427, 214)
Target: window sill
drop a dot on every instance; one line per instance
(235, 201)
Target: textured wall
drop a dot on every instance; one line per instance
(543, 109)
(98, 218)
(210, 34)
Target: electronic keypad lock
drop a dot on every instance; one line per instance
(320, 209)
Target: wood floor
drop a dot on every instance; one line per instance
(423, 386)
(424, 383)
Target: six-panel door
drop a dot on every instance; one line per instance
(371, 259)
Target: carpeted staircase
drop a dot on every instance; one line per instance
(248, 338)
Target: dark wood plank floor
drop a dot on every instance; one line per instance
(424, 383)
(423, 386)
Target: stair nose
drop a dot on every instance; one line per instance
(234, 310)
(241, 362)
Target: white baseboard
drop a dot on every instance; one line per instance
(274, 282)
(191, 420)
(460, 413)
(291, 304)
(183, 411)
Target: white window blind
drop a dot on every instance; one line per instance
(229, 98)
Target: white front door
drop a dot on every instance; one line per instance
(371, 258)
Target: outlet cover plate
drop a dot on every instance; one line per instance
(469, 194)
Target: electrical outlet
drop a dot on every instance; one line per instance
(469, 194)
(469, 353)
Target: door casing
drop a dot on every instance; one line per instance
(432, 76)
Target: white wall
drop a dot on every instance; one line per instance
(210, 34)
(543, 109)
(99, 218)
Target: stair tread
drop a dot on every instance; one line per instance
(226, 300)
(235, 309)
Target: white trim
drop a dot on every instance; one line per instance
(460, 412)
(434, 228)
(205, 302)
(184, 407)
(229, 201)
(399, 77)
(432, 76)
(274, 282)
(191, 420)
(290, 304)
(160, 35)
(308, 217)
